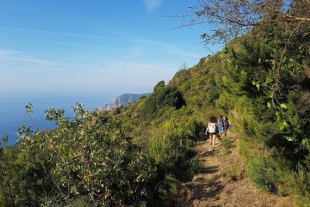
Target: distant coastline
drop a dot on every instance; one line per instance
(12, 108)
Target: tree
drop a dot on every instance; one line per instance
(281, 29)
(162, 98)
(159, 85)
(230, 19)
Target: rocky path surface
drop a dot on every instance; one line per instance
(217, 187)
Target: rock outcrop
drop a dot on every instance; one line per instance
(123, 100)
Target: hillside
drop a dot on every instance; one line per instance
(151, 153)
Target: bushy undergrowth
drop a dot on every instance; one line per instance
(263, 174)
(227, 144)
(138, 155)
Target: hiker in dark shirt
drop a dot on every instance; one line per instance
(226, 122)
(220, 125)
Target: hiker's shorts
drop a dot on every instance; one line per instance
(221, 128)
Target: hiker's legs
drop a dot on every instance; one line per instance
(213, 140)
(210, 138)
(220, 131)
(220, 134)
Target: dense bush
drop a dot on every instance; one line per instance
(163, 97)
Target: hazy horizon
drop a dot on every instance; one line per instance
(60, 46)
(12, 108)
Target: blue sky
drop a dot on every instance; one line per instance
(90, 46)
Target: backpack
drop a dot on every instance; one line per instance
(225, 121)
(220, 122)
(212, 128)
(224, 118)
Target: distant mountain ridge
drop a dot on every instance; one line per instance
(123, 100)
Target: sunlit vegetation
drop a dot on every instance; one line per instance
(139, 155)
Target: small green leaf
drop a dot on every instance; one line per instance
(291, 138)
(290, 65)
(274, 65)
(283, 106)
(305, 142)
(278, 116)
(269, 79)
(268, 105)
(225, 50)
(285, 124)
(270, 94)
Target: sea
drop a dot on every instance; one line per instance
(13, 111)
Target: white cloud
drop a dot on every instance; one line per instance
(15, 56)
(59, 33)
(151, 4)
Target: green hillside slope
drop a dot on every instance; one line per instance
(139, 155)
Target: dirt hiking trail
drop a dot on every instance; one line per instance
(217, 186)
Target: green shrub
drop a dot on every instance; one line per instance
(172, 192)
(245, 149)
(234, 171)
(160, 100)
(263, 173)
(297, 184)
(227, 143)
(195, 167)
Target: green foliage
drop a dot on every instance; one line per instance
(267, 67)
(227, 144)
(171, 192)
(234, 171)
(263, 174)
(90, 156)
(160, 85)
(102, 158)
(195, 167)
(172, 140)
(298, 184)
(159, 149)
(160, 100)
(22, 179)
(137, 155)
(4, 142)
(180, 77)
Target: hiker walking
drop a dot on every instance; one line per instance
(212, 130)
(221, 125)
(226, 122)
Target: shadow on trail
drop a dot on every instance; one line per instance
(207, 186)
(211, 169)
(207, 190)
